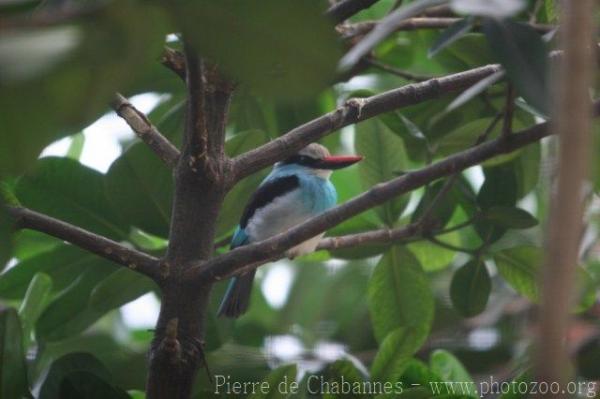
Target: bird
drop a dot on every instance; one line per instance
(297, 189)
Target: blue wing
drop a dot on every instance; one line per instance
(239, 238)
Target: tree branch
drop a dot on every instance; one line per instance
(349, 31)
(344, 9)
(174, 60)
(353, 111)
(147, 132)
(381, 236)
(104, 247)
(245, 257)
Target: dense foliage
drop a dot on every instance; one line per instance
(450, 302)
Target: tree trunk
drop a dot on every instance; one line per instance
(200, 185)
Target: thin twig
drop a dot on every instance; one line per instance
(147, 132)
(104, 247)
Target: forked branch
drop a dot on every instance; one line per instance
(250, 255)
(147, 132)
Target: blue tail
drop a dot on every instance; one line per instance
(237, 298)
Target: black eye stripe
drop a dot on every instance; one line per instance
(301, 160)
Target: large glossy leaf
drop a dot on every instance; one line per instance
(433, 257)
(13, 370)
(385, 157)
(509, 217)
(384, 28)
(67, 190)
(520, 267)
(63, 264)
(439, 212)
(399, 295)
(470, 288)
(36, 298)
(450, 369)
(70, 312)
(499, 189)
(394, 354)
(298, 61)
(50, 386)
(451, 34)
(140, 186)
(120, 287)
(523, 53)
(346, 182)
(83, 384)
(29, 243)
(47, 75)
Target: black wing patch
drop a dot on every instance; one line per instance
(266, 193)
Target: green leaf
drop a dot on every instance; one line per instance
(475, 90)
(63, 264)
(13, 370)
(51, 71)
(342, 373)
(470, 288)
(296, 62)
(447, 366)
(519, 266)
(384, 156)
(443, 209)
(140, 186)
(384, 28)
(394, 354)
(523, 53)
(450, 35)
(120, 287)
(70, 313)
(433, 257)
(509, 217)
(50, 386)
(36, 299)
(278, 381)
(65, 189)
(83, 384)
(499, 189)
(29, 243)
(398, 295)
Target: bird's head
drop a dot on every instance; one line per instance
(316, 159)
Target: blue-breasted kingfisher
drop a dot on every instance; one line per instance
(297, 189)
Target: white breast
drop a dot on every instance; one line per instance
(280, 215)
